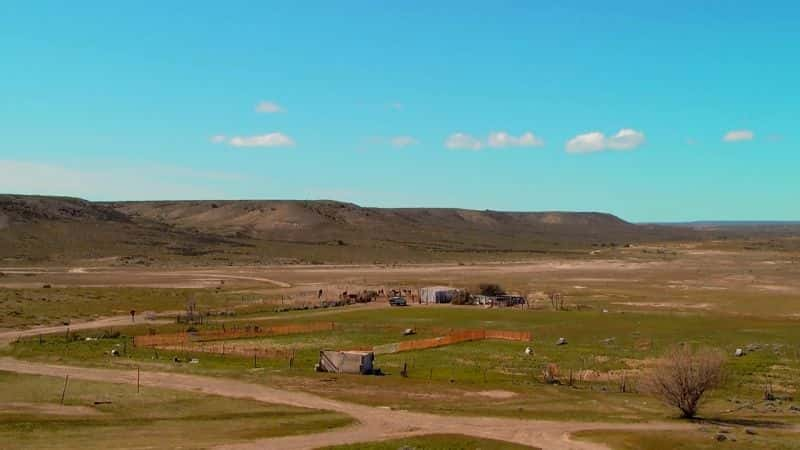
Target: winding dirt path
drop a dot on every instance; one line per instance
(373, 423)
(243, 277)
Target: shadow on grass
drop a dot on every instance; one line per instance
(740, 422)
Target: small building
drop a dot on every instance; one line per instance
(438, 294)
(356, 362)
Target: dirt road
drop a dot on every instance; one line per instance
(373, 423)
(116, 277)
(107, 322)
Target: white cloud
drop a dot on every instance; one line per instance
(501, 139)
(218, 139)
(263, 140)
(738, 135)
(595, 141)
(586, 143)
(403, 141)
(269, 107)
(625, 139)
(462, 141)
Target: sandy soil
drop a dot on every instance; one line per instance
(373, 423)
(497, 394)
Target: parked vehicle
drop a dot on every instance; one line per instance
(398, 301)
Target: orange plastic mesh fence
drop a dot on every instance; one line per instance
(219, 348)
(523, 336)
(454, 337)
(158, 340)
(256, 331)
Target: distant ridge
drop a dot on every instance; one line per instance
(58, 228)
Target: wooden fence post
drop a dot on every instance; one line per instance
(64, 391)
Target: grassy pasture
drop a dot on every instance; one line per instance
(735, 439)
(37, 306)
(433, 442)
(607, 343)
(31, 416)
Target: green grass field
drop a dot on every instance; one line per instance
(37, 306)
(736, 439)
(601, 342)
(434, 442)
(31, 416)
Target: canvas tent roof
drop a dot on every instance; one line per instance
(346, 361)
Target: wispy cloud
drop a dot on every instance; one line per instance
(270, 140)
(501, 139)
(218, 139)
(268, 107)
(738, 136)
(625, 139)
(403, 141)
(595, 141)
(462, 141)
(496, 139)
(397, 106)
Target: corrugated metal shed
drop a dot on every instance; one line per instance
(438, 294)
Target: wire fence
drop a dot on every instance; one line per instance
(250, 331)
(453, 337)
(232, 349)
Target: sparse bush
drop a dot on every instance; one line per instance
(110, 334)
(491, 289)
(551, 374)
(683, 375)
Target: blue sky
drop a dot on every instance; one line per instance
(654, 111)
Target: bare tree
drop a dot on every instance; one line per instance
(683, 375)
(491, 289)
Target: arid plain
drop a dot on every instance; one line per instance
(76, 365)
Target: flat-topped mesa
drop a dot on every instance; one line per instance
(40, 229)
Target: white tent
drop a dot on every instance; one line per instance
(346, 361)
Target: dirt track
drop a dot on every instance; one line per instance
(107, 322)
(374, 423)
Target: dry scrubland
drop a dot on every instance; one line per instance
(625, 306)
(48, 231)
